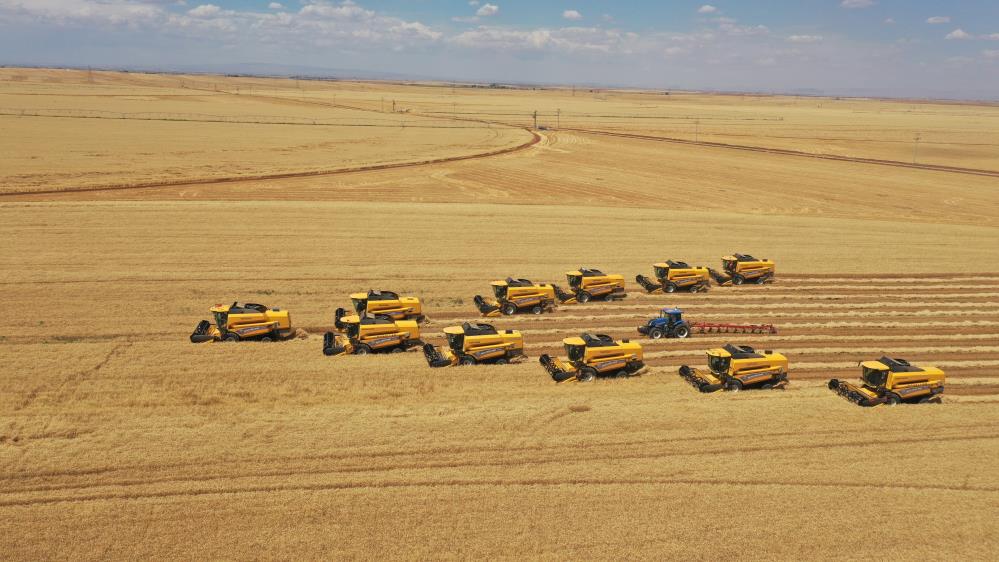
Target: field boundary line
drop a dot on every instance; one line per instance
(788, 152)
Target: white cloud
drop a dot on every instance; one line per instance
(890, 21)
(959, 34)
(707, 9)
(487, 10)
(938, 19)
(473, 2)
(856, 4)
(572, 15)
(607, 18)
(205, 11)
(275, 6)
(991, 37)
(991, 54)
(804, 38)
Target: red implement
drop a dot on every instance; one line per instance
(716, 328)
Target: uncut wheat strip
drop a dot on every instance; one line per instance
(725, 338)
(818, 366)
(769, 316)
(766, 297)
(854, 350)
(866, 287)
(783, 304)
(860, 279)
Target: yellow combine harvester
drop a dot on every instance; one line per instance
(740, 268)
(588, 284)
(378, 334)
(892, 381)
(515, 295)
(592, 356)
(736, 367)
(474, 343)
(672, 276)
(384, 303)
(237, 322)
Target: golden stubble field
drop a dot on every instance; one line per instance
(118, 439)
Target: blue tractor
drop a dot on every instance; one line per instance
(669, 324)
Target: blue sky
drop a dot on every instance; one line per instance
(863, 47)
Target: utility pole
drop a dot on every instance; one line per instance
(90, 75)
(697, 128)
(915, 146)
(535, 119)
(393, 106)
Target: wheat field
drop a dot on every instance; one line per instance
(131, 203)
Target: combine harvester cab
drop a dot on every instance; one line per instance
(736, 368)
(587, 284)
(673, 276)
(669, 324)
(742, 268)
(238, 322)
(387, 303)
(592, 356)
(892, 381)
(517, 295)
(365, 335)
(474, 344)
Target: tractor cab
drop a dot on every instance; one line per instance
(671, 315)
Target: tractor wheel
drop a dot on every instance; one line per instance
(397, 350)
(467, 360)
(670, 287)
(762, 279)
(892, 399)
(500, 361)
(537, 310)
(583, 297)
(230, 337)
(734, 385)
(586, 374)
(681, 332)
(509, 309)
(738, 279)
(767, 386)
(267, 338)
(656, 333)
(362, 350)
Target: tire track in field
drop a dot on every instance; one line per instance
(798, 153)
(564, 454)
(535, 139)
(505, 464)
